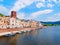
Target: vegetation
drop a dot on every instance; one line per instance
(1, 14)
(51, 24)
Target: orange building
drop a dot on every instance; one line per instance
(34, 24)
(4, 20)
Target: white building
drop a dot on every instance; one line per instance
(12, 22)
(17, 23)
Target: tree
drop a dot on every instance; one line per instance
(1, 14)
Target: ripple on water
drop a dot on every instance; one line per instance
(45, 36)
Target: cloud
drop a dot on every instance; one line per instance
(55, 1)
(3, 9)
(50, 5)
(1, 0)
(55, 17)
(52, 19)
(52, 0)
(19, 4)
(40, 1)
(21, 15)
(36, 14)
(39, 5)
(43, 3)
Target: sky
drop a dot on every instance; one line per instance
(40, 10)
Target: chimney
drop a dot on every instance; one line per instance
(13, 14)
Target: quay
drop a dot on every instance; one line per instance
(16, 30)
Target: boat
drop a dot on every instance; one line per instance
(19, 32)
(28, 30)
(22, 31)
(8, 35)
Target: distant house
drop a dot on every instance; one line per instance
(4, 21)
(34, 24)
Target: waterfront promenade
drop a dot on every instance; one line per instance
(16, 30)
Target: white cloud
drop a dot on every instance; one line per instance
(52, 19)
(47, 1)
(21, 15)
(43, 0)
(55, 17)
(40, 1)
(1, 0)
(50, 5)
(19, 4)
(36, 14)
(54, 1)
(39, 5)
(3, 9)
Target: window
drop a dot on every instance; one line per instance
(12, 21)
(12, 24)
(0, 18)
(1, 21)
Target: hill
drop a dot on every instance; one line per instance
(56, 22)
(1, 14)
(51, 23)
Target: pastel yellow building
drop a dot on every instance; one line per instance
(28, 24)
(34, 24)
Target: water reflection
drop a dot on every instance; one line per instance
(47, 36)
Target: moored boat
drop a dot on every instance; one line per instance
(8, 35)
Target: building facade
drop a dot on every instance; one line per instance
(13, 22)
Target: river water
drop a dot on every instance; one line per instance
(45, 36)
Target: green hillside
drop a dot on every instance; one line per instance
(1, 14)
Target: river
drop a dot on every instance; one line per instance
(45, 36)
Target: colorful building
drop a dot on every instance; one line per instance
(13, 22)
(4, 22)
(34, 24)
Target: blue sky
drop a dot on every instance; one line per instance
(41, 10)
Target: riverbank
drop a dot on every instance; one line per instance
(16, 30)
